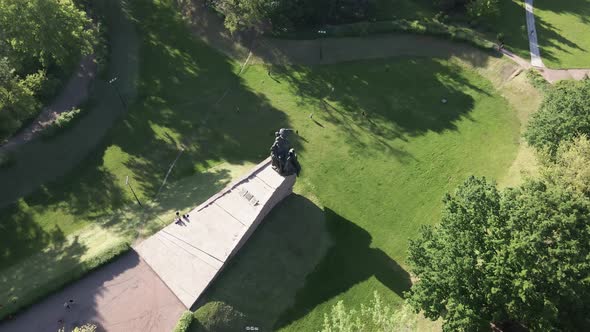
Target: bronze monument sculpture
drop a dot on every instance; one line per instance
(283, 156)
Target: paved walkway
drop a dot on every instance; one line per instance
(123, 296)
(74, 94)
(532, 33)
(551, 75)
(188, 254)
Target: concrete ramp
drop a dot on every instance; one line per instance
(188, 255)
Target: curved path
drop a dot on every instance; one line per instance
(42, 160)
(551, 75)
(126, 295)
(74, 94)
(123, 296)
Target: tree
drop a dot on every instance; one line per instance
(519, 256)
(563, 115)
(48, 31)
(571, 166)
(17, 97)
(482, 8)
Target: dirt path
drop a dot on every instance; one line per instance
(74, 94)
(123, 296)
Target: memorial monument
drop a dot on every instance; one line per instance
(283, 156)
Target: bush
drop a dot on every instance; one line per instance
(184, 322)
(564, 115)
(219, 317)
(61, 122)
(377, 317)
(423, 27)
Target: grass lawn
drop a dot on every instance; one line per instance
(563, 29)
(377, 178)
(378, 156)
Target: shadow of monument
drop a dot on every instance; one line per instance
(349, 261)
(301, 256)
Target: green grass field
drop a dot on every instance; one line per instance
(378, 155)
(563, 30)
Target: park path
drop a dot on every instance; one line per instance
(74, 94)
(532, 33)
(551, 75)
(123, 296)
(209, 28)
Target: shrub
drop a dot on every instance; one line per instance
(537, 80)
(184, 322)
(377, 316)
(61, 122)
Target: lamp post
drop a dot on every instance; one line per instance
(322, 33)
(112, 83)
(133, 191)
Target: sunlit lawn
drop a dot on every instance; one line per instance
(379, 155)
(563, 29)
(379, 152)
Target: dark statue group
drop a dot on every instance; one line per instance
(283, 156)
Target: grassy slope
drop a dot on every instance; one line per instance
(378, 177)
(563, 29)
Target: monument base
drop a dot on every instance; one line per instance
(189, 254)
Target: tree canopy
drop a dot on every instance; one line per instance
(40, 42)
(44, 30)
(564, 114)
(516, 256)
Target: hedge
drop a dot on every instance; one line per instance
(184, 322)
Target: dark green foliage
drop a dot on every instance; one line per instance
(17, 98)
(564, 114)
(40, 42)
(283, 15)
(521, 255)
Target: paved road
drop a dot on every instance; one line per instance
(532, 32)
(125, 295)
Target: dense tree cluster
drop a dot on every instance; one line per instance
(40, 42)
(518, 256)
(564, 114)
(289, 14)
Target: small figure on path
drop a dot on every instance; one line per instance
(185, 216)
(177, 216)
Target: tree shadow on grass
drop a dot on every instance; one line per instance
(384, 99)
(579, 8)
(300, 257)
(349, 261)
(188, 97)
(192, 98)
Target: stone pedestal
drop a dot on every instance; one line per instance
(188, 255)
